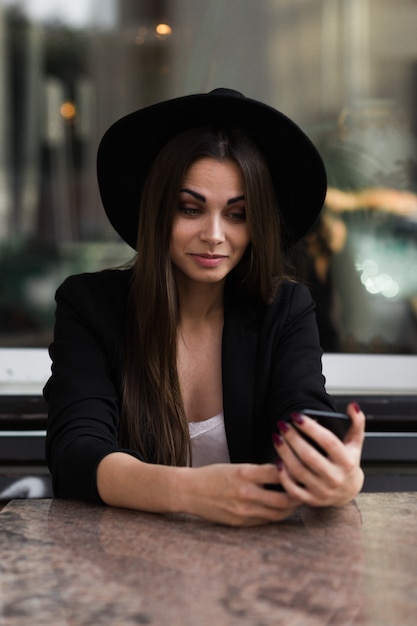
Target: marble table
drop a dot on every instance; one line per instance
(69, 563)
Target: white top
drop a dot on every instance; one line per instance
(208, 441)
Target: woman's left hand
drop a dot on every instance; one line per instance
(313, 478)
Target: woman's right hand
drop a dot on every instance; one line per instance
(233, 494)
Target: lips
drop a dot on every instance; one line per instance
(211, 256)
(208, 260)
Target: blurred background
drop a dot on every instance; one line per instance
(345, 70)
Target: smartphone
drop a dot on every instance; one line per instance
(338, 423)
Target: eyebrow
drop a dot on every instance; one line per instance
(201, 198)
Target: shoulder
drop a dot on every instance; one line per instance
(98, 299)
(291, 297)
(92, 308)
(104, 279)
(290, 320)
(101, 286)
(292, 305)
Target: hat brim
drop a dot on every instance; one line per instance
(130, 145)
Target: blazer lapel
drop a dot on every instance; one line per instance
(240, 341)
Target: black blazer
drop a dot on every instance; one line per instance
(271, 366)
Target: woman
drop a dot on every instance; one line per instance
(169, 378)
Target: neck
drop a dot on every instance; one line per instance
(200, 302)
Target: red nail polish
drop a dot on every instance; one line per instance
(356, 407)
(297, 418)
(278, 441)
(283, 426)
(280, 465)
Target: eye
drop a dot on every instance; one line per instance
(237, 216)
(189, 210)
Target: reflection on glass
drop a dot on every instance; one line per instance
(69, 69)
(372, 167)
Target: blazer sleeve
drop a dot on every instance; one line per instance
(83, 392)
(289, 376)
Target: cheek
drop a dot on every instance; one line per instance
(245, 243)
(181, 231)
(245, 238)
(180, 238)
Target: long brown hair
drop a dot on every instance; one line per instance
(153, 420)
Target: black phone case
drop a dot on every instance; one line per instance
(338, 423)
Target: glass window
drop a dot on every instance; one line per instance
(345, 70)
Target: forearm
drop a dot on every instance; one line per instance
(125, 481)
(227, 494)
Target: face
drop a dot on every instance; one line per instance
(209, 232)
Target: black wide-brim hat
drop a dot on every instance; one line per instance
(130, 145)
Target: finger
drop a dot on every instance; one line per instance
(259, 517)
(356, 432)
(304, 469)
(255, 478)
(311, 494)
(255, 504)
(320, 480)
(304, 449)
(309, 469)
(315, 489)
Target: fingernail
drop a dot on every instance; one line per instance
(280, 465)
(278, 441)
(283, 426)
(356, 407)
(297, 418)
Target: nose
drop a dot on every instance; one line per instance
(212, 231)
